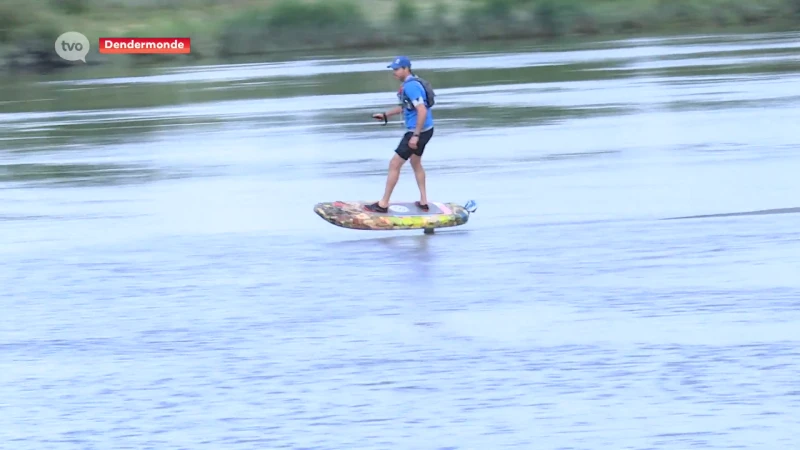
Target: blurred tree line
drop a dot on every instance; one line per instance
(228, 28)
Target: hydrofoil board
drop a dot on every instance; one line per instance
(400, 216)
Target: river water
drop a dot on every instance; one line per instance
(166, 283)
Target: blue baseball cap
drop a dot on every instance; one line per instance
(400, 61)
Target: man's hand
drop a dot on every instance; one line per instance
(412, 143)
(381, 116)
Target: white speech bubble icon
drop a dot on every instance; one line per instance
(72, 46)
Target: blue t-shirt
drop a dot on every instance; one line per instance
(414, 95)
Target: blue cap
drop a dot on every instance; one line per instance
(400, 61)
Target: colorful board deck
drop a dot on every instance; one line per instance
(401, 216)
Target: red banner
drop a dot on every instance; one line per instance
(145, 45)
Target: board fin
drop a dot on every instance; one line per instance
(471, 206)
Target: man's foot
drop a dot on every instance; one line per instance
(376, 207)
(421, 206)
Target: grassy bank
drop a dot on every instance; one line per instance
(230, 28)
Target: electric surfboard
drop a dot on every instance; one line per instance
(400, 216)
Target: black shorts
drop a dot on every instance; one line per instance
(404, 151)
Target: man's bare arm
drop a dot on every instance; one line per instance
(422, 113)
(385, 115)
(394, 111)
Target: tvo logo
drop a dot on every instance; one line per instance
(72, 46)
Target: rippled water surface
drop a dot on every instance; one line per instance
(629, 281)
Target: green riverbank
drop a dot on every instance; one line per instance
(225, 29)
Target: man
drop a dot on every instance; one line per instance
(419, 130)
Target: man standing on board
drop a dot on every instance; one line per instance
(414, 101)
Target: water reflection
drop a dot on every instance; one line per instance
(79, 174)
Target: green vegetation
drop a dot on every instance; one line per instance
(230, 28)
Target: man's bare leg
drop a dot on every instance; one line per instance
(391, 179)
(419, 174)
